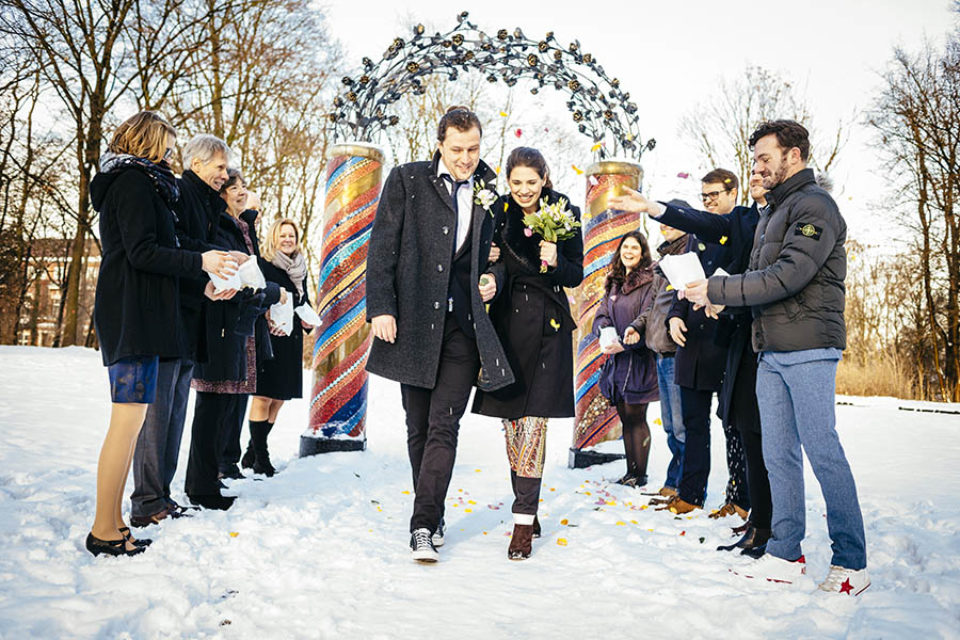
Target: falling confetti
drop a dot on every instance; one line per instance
(658, 422)
(621, 523)
(577, 169)
(727, 181)
(518, 132)
(596, 147)
(476, 470)
(670, 287)
(234, 534)
(564, 522)
(503, 114)
(683, 533)
(723, 239)
(562, 542)
(406, 493)
(683, 175)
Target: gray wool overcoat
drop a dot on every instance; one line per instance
(408, 274)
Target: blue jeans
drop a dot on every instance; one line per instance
(671, 416)
(795, 391)
(158, 445)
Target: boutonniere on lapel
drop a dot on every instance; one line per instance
(483, 196)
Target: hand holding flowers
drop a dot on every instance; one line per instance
(554, 223)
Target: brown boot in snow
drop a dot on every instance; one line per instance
(521, 543)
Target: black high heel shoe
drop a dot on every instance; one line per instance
(140, 542)
(96, 546)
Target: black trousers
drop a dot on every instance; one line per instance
(228, 435)
(745, 416)
(526, 494)
(737, 485)
(696, 454)
(433, 423)
(211, 411)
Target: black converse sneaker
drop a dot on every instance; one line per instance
(421, 546)
(437, 536)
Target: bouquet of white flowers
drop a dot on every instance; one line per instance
(554, 222)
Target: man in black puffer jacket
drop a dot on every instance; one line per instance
(795, 287)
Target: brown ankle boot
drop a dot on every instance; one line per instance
(521, 543)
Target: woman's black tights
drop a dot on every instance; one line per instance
(636, 436)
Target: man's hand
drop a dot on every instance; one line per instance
(219, 263)
(677, 328)
(757, 192)
(633, 202)
(488, 287)
(494, 253)
(239, 256)
(253, 201)
(630, 336)
(210, 291)
(384, 327)
(696, 292)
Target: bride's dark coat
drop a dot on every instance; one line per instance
(532, 318)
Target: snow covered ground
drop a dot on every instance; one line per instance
(321, 549)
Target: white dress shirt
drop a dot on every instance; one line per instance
(464, 202)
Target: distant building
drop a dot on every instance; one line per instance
(41, 308)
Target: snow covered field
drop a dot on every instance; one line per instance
(320, 551)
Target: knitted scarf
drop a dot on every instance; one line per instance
(295, 266)
(159, 173)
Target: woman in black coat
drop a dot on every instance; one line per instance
(137, 307)
(281, 378)
(532, 318)
(237, 339)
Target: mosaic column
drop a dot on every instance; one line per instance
(596, 420)
(338, 402)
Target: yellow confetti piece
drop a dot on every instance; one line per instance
(670, 287)
(644, 507)
(634, 522)
(723, 239)
(577, 169)
(506, 205)
(476, 470)
(596, 147)
(612, 502)
(497, 170)
(503, 114)
(673, 510)
(630, 137)
(564, 522)
(455, 505)
(621, 523)
(468, 510)
(234, 534)
(650, 530)
(553, 488)
(484, 533)
(379, 508)
(727, 181)
(658, 422)
(471, 502)
(406, 493)
(562, 542)
(587, 492)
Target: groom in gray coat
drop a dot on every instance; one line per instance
(426, 303)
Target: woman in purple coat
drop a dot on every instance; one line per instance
(628, 378)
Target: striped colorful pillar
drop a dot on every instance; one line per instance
(596, 421)
(338, 403)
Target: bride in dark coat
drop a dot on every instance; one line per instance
(533, 320)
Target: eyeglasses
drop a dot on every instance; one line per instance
(713, 195)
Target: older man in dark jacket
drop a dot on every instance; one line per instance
(425, 301)
(795, 287)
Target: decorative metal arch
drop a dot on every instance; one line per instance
(602, 110)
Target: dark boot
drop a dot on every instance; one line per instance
(751, 539)
(521, 544)
(536, 527)
(259, 430)
(249, 457)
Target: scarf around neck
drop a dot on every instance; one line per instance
(295, 267)
(160, 174)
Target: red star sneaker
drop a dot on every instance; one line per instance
(845, 581)
(774, 569)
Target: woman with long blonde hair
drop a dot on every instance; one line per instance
(281, 378)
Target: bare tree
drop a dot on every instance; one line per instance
(720, 126)
(917, 121)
